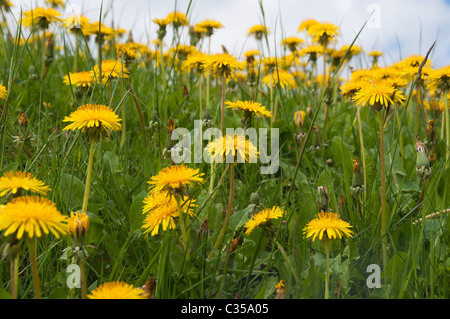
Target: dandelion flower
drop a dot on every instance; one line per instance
(161, 209)
(306, 24)
(174, 178)
(93, 116)
(32, 215)
(249, 106)
(41, 16)
(110, 69)
(258, 31)
(83, 79)
(323, 33)
(117, 290)
(210, 26)
(439, 79)
(222, 64)
(232, 148)
(177, 19)
(262, 218)
(328, 224)
(378, 94)
(281, 77)
(15, 181)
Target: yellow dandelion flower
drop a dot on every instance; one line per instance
(251, 53)
(99, 29)
(281, 77)
(258, 30)
(272, 63)
(161, 209)
(56, 3)
(175, 177)
(306, 24)
(32, 215)
(194, 61)
(3, 92)
(162, 23)
(117, 290)
(232, 148)
(93, 116)
(78, 224)
(177, 19)
(312, 51)
(222, 64)
(262, 218)
(110, 69)
(375, 54)
(439, 79)
(83, 79)
(249, 106)
(14, 182)
(378, 94)
(323, 32)
(292, 43)
(328, 224)
(349, 88)
(210, 26)
(77, 23)
(127, 50)
(43, 17)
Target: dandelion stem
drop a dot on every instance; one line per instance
(183, 227)
(447, 120)
(222, 104)
(34, 268)
(88, 176)
(327, 279)
(12, 272)
(383, 190)
(230, 206)
(361, 142)
(82, 279)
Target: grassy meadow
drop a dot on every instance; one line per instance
(357, 209)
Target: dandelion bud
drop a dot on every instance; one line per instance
(49, 52)
(423, 168)
(254, 198)
(78, 224)
(23, 119)
(281, 290)
(322, 197)
(357, 184)
(299, 118)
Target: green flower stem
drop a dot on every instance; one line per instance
(230, 206)
(16, 273)
(447, 124)
(88, 177)
(383, 190)
(34, 268)
(12, 272)
(327, 245)
(361, 142)
(183, 223)
(82, 279)
(222, 104)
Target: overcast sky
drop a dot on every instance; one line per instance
(397, 27)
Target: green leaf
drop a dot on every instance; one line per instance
(135, 216)
(72, 190)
